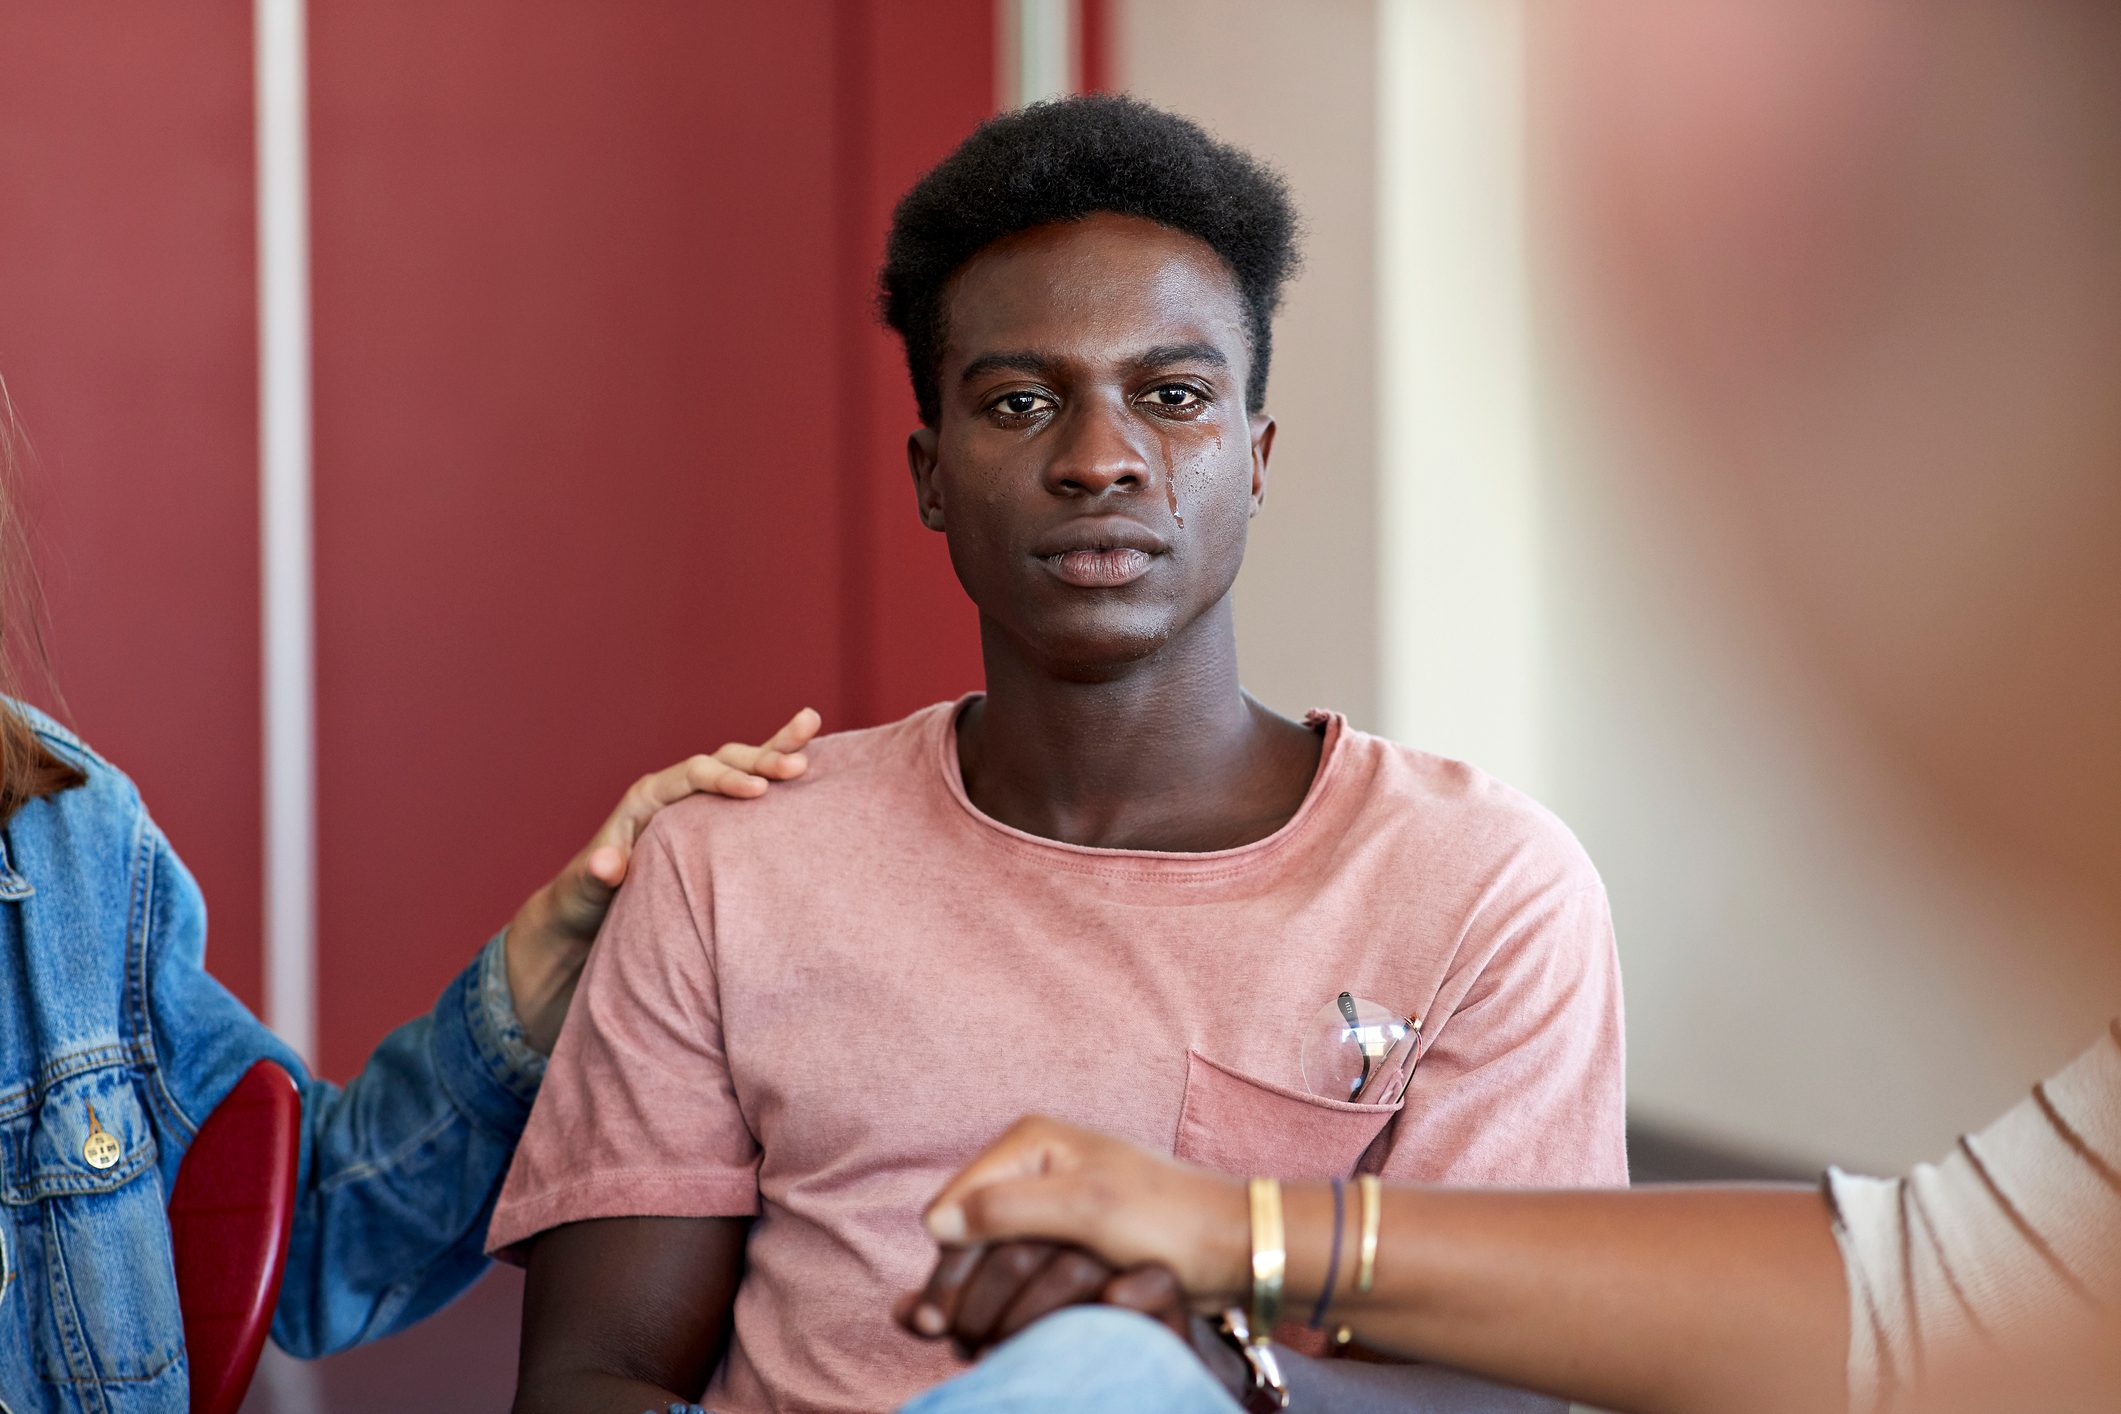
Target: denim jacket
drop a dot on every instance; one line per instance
(105, 1002)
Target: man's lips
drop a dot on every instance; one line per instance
(1100, 552)
(1099, 569)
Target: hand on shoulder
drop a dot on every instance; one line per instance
(549, 938)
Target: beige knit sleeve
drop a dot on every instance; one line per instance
(2017, 1229)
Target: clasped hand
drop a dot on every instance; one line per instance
(1050, 1216)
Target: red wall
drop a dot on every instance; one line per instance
(128, 339)
(608, 451)
(901, 108)
(587, 433)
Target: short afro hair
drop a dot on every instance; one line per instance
(1068, 159)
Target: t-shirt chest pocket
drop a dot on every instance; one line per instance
(1237, 1124)
(84, 1197)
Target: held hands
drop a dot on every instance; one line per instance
(980, 1296)
(1051, 1215)
(549, 938)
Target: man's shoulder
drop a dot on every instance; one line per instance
(856, 778)
(1463, 813)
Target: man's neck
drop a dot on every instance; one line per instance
(1168, 754)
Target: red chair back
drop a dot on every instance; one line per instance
(229, 1220)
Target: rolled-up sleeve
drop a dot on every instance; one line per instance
(2013, 1235)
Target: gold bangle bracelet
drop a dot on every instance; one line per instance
(1270, 1258)
(1372, 1217)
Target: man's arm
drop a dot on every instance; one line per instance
(637, 1177)
(627, 1314)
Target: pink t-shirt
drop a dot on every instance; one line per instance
(813, 1008)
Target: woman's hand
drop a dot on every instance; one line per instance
(549, 938)
(1051, 1182)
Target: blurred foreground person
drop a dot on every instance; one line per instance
(115, 1045)
(1852, 269)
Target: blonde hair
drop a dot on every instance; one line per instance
(28, 768)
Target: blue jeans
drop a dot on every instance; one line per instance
(1117, 1362)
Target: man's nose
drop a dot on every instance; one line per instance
(1099, 449)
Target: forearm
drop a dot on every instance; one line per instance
(1653, 1300)
(400, 1168)
(544, 966)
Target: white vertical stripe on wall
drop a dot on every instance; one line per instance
(284, 448)
(1461, 624)
(1038, 57)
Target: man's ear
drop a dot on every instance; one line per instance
(927, 490)
(1262, 434)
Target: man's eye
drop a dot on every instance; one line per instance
(1176, 396)
(1020, 404)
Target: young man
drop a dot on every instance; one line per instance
(1115, 888)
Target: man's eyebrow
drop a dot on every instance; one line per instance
(1008, 361)
(1163, 354)
(1038, 364)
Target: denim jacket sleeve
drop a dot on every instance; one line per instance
(399, 1168)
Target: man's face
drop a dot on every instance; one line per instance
(1094, 467)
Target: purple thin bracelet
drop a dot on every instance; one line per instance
(1325, 1293)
